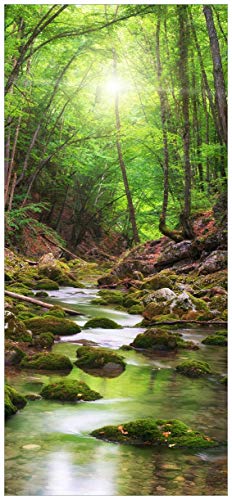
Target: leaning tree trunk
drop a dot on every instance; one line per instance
(184, 92)
(219, 82)
(121, 160)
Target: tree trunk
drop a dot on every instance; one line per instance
(206, 83)
(121, 160)
(219, 82)
(11, 166)
(197, 127)
(184, 92)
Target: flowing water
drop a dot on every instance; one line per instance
(64, 459)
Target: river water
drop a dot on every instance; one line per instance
(66, 460)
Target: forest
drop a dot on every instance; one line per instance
(116, 215)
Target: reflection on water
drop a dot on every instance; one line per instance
(68, 461)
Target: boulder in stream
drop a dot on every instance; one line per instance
(193, 368)
(47, 361)
(100, 361)
(157, 339)
(151, 432)
(48, 323)
(106, 323)
(14, 401)
(69, 390)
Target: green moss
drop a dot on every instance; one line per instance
(94, 357)
(112, 296)
(20, 289)
(224, 380)
(47, 362)
(13, 355)
(215, 340)
(15, 329)
(150, 432)
(160, 340)
(45, 340)
(58, 326)
(56, 311)
(136, 309)
(199, 304)
(69, 390)
(166, 317)
(157, 281)
(101, 323)
(155, 309)
(219, 302)
(46, 284)
(13, 401)
(41, 294)
(194, 368)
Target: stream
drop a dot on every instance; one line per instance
(66, 460)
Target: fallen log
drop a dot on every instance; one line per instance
(63, 249)
(188, 321)
(18, 296)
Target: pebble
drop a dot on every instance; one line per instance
(179, 479)
(31, 447)
(160, 488)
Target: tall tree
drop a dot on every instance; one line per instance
(219, 82)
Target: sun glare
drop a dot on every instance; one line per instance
(114, 85)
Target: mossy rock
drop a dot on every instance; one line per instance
(13, 355)
(58, 326)
(25, 315)
(14, 401)
(151, 432)
(20, 289)
(101, 323)
(42, 294)
(130, 301)
(69, 390)
(199, 304)
(46, 284)
(56, 311)
(136, 309)
(157, 281)
(208, 281)
(155, 309)
(15, 329)
(194, 368)
(161, 340)
(219, 302)
(100, 361)
(215, 340)
(46, 361)
(45, 340)
(112, 296)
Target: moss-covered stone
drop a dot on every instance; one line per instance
(44, 340)
(58, 326)
(20, 289)
(41, 294)
(219, 302)
(14, 401)
(161, 340)
(112, 296)
(109, 363)
(56, 311)
(219, 340)
(101, 323)
(15, 329)
(47, 362)
(155, 309)
(69, 390)
(150, 432)
(136, 309)
(199, 304)
(157, 281)
(193, 368)
(46, 284)
(13, 355)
